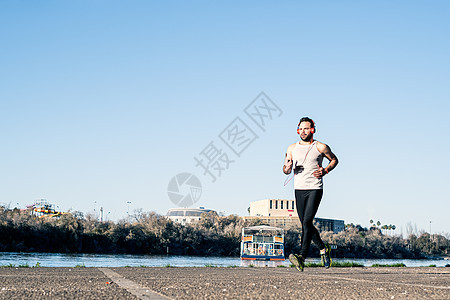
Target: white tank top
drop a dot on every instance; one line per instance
(307, 159)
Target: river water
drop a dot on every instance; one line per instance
(118, 260)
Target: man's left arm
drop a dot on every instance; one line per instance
(326, 151)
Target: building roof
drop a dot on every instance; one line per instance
(262, 228)
(188, 212)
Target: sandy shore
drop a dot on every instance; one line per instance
(224, 283)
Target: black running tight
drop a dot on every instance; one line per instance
(307, 203)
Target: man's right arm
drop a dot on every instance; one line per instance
(287, 167)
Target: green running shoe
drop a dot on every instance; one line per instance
(326, 257)
(298, 261)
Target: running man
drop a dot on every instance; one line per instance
(305, 159)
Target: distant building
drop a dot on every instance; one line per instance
(187, 215)
(283, 213)
(330, 225)
(273, 208)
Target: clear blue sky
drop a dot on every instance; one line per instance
(103, 102)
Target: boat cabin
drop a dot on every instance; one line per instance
(262, 243)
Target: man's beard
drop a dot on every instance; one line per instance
(308, 138)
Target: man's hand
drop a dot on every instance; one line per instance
(320, 172)
(287, 167)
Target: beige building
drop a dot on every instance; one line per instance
(273, 208)
(283, 213)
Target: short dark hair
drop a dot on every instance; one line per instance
(306, 119)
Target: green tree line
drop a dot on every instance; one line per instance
(213, 235)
